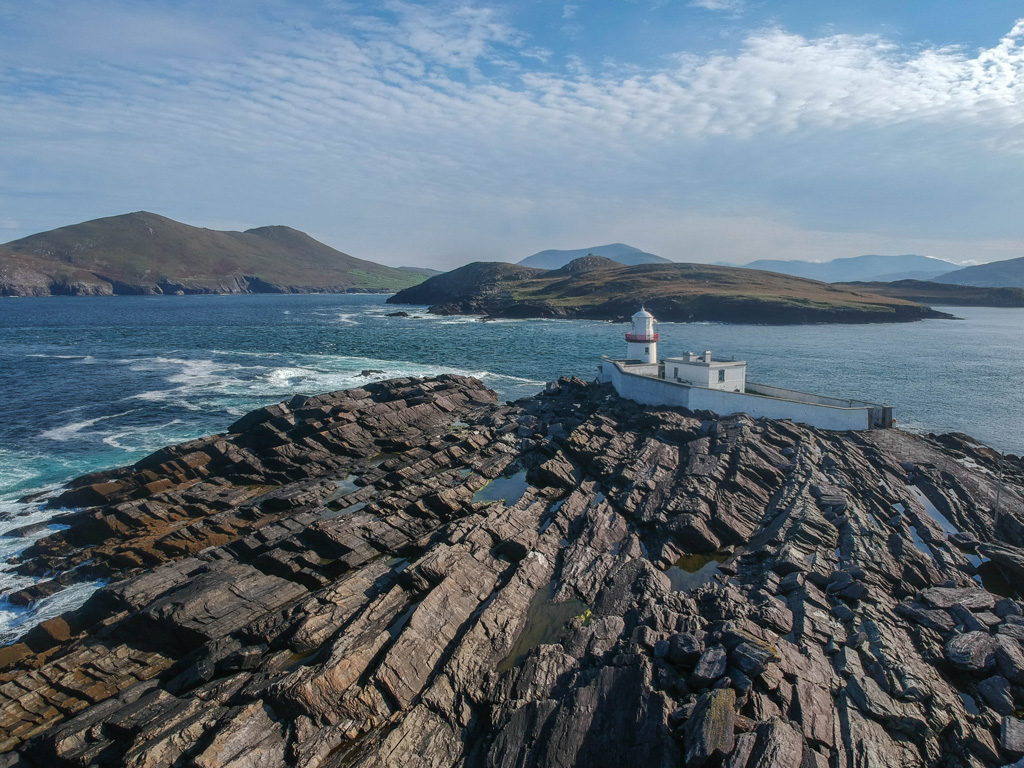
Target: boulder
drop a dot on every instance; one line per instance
(1011, 736)
(995, 691)
(709, 733)
(972, 651)
(709, 668)
(946, 597)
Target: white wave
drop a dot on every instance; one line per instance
(58, 357)
(15, 469)
(176, 397)
(116, 439)
(289, 377)
(21, 515)
(244, 353)
(346, 317)
(17, 620)
(71, 431)
(191, 371)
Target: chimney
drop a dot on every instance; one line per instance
(707, 355)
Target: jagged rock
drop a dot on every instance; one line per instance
(938, 620)
(972, 651)
(252, 739)
(322, 586)
(995, 691)
(709, 668)
(752, 657)
(709, 732)
(969, 621)
(1010, 658)
(1011, 736)
(778, 746)
(685, 649)
(946, 597)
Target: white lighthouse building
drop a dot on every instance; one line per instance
(642, 341)
(703, 382)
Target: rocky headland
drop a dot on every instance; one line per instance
(596, 288)
(414, 574)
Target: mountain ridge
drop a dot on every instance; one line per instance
(867, 268)
(620, 252)
(145, 253)
(1008, 273)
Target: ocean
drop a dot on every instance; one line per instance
(89, 383)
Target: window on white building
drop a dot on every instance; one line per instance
(721, 374)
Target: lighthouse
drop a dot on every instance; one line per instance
(642, 341)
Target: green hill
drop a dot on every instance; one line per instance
(598, 289)
(943, 294)
(143, 253)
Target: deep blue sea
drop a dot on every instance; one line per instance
(94, 382)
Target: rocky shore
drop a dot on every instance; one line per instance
(413, 574)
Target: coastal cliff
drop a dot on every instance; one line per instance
(596, 288)
(413, 574)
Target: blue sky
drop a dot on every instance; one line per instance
(446, 132)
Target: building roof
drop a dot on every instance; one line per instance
(643, 314)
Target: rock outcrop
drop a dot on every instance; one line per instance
(412, 574)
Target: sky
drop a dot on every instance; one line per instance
(438, 133)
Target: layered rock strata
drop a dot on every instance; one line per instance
(414, 574)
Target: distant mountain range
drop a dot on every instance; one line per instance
(620, 252)
(998, 274)
(143, 253)
(860, 268)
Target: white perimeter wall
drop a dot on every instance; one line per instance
(822, 416)
(652, 391)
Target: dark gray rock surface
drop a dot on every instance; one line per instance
(320, 587)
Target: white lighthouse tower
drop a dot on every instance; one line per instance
(642, 341)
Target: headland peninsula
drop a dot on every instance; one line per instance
(596, 288)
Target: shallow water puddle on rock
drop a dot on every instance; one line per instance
(508, 489)
(546, 622)
(552, 513)
(339, 512)
(970, 704)
(691, 571)
(380, 458)
(345, 485)
(921, 544)
(930, 508)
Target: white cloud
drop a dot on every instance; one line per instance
(728, 6)
(351, 126)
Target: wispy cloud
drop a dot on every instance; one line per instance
(726, 6)
(347, 117)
